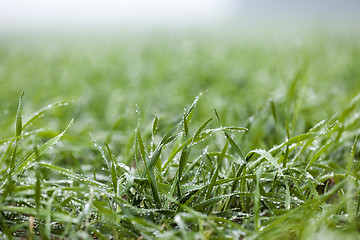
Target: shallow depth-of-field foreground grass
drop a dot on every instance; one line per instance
(95, 142)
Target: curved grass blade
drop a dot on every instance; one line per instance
(267, 156)
(189, 141)
(301, 138)
(210, 202)
(16, 138)
(118, 165)
(273, 161)
(231, 141)
(71, 174)
(57, 216)
(41, 150)
(41, 112)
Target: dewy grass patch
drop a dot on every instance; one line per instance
(274, 173)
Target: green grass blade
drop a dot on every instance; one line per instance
(267, 156)
(41, 150)
(101, 152)
(301, 138)
(41, 112)
(114, 177)
(37, 189)
(201, 128)
(192, 106)
(18, 124)
(235, 146)
(183, 161)
(190, 141)
(215, 175)
(149, 173)
(169, 136)
(118, 165)
(22, 136)
(317, 155)
(349, 166)
(71, 174)
(257, 198)
(57, 216)
(153, 132)
(212, 201)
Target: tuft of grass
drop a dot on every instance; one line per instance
(271, 173)
(175, 193)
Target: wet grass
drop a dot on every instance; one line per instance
(265, 148)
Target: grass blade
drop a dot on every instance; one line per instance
(18, 124)
(37, 189)
(317, 155)
(215, 175)
(41, 112)
(41, 150)
(102, 152)
(349, 166)
(149, 173)
(71, 174)
(257, 198)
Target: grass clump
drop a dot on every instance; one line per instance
(182, 186)
(275, 174)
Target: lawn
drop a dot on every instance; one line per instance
(180, 137)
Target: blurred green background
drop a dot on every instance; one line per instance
(239, 75)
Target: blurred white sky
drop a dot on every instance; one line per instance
(23, 14)
(32, 15)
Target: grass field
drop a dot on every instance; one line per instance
(180, 138)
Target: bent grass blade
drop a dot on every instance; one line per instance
(41, 150)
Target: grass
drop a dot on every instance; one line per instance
(267, 150)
